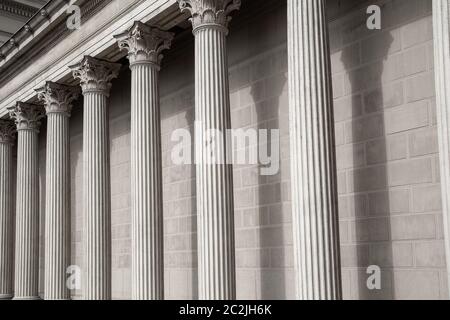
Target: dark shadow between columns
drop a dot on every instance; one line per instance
(372, 235)
(269, 188)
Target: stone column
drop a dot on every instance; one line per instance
(313, 164)
(215, 207)
(7, 137)
(27, 117)
(144, 45)
(441, 27)
(95, 76)
(57, 99)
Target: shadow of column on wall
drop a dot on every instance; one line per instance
(177, 92)
(194, 253)
(76, 189)
(183, 106)
(369, 200)
(270, 233)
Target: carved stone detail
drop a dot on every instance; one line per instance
(7, 132)
(57, 97)
(95, 75)
(144, 43)
(209, 12)
(27, 116)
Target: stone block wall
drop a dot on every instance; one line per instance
(387, 153)
(387, 159)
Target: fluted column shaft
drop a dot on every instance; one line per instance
(6, 210)
(144, 45)
(57, 213)
(215, 206)
(27, 118)
(27, 224)
(57, 99)
(95, 76)
(214, 176)
(146, 185)
(313, 168)
(97, 198)
(441, 27)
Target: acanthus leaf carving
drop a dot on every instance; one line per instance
(144, 43)
(209, 12)
(27, 116)
(57, 97)
(7, 131)
(95, 75)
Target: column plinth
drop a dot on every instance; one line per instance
(95, 78)
(7, 138)
(313, 164)
(27, 118)
(215, 206)
(57, 99)
(144, 45)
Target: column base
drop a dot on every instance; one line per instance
(6, 296)
(27, 298)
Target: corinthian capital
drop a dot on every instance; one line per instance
(7, 132)
(209, 12)
(57, 97)
(144, 43)
(95, 75)
(27, 116)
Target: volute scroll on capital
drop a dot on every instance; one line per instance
(215, 13)
(57, 97)
(27, 116)
(7, 132)
(95, 75)
(144, 43)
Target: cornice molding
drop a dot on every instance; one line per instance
(95, 38)
(49, 14)
(17, 9)
(48, 42)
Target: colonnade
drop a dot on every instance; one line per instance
(316, 241)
